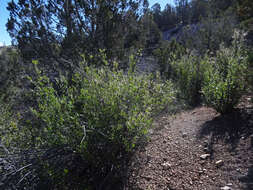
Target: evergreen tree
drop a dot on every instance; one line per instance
(245, 12)
(52, 28)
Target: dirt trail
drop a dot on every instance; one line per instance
(172, 158)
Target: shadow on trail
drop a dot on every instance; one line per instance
(248, 179)
(229, 128)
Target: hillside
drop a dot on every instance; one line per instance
(124, 95)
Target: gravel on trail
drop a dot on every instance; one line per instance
(196, 150)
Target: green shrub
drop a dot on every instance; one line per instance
(100, 116)
(10, 68)
(184, 68)
(7, 123)
(6, 120)
(249, 78)
(167, 53)
(188, 76)
(105, 102)
(225, 79)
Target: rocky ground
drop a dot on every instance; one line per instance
(197, 149)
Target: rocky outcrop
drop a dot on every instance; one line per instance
(178, 32)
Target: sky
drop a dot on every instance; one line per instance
(4, 14)
(4, 36)
(161, 2)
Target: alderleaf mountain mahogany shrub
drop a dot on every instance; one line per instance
(101, 115)
(225, 78)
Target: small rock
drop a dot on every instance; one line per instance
(206, 149)
(166, 165)
(184, 135)
(229, 184)
(194, 112)
(204, 156)
(202, 162)
(219, 163)
(167, 126)
(225, 188)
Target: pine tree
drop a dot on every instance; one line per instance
(51, 28)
